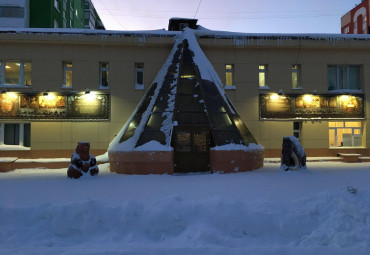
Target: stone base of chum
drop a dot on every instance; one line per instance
(162, 162)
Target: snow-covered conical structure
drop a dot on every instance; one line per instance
(185, 122)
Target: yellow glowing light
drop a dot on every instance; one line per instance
(11, 95)
(344, 98)
(307, 98)
(90, 97)
(7, 67)
(274, 96)
(49, 97)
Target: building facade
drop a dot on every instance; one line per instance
(49, 14)
(356, 21)
(61, 88)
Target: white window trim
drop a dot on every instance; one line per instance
(21, 138)
(21, 75)
(137, 69)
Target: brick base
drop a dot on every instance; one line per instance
(235, 161)
(141, 162)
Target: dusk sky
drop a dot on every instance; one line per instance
(249, 16)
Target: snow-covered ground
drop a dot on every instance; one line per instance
(322, 210)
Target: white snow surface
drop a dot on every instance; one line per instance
(238, 147)
(322, 210)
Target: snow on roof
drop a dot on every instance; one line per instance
(201, 32)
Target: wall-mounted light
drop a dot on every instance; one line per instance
(314, 92)
(87, 91)
(280, 92)
(45, 93)
(3, 91)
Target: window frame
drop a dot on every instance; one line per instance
(353, 135)
(264, 72)
(103, 69)
(21, 135)
(65, 70)
(229, 71)
(139, 67)
(297, 72)
(21, 77)
(340, 84)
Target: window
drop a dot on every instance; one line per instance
(15, 73)
(346, 30)
(139, 76)
(67, 67)
(15, 134)
(297, 129)
(345, 134)
(104, 68)
(295, 77)
(262, 75)
(344, 77)
(11, 12)
(229, 71)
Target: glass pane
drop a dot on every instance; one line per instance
(27, 73)
(262, 67)
(339, 137)
(139, 77)
(354, 77)
(332, 77)
(332, 138)
(262, 79)
(11, 134)
(342, 77)
(229, 78)
(68, 81)
(294, 80)
(27, 135)
(357, 131)
(200, 141)
(0, 73)
(104, 78)
(183, 141)
(331, 124)
(339, 124)
(12, 73)
(353, 124)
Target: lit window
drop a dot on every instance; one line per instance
(229, 71)
(104, 68)
(295, 76)
(345, 134)
(139, 76)
(15, 73)
(15, 134)
(67, 68)
(262, 74)
(344, 77)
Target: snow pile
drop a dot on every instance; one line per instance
(259, 212)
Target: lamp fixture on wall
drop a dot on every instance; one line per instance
(87, 91)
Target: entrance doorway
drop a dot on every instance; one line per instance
(191, 146)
